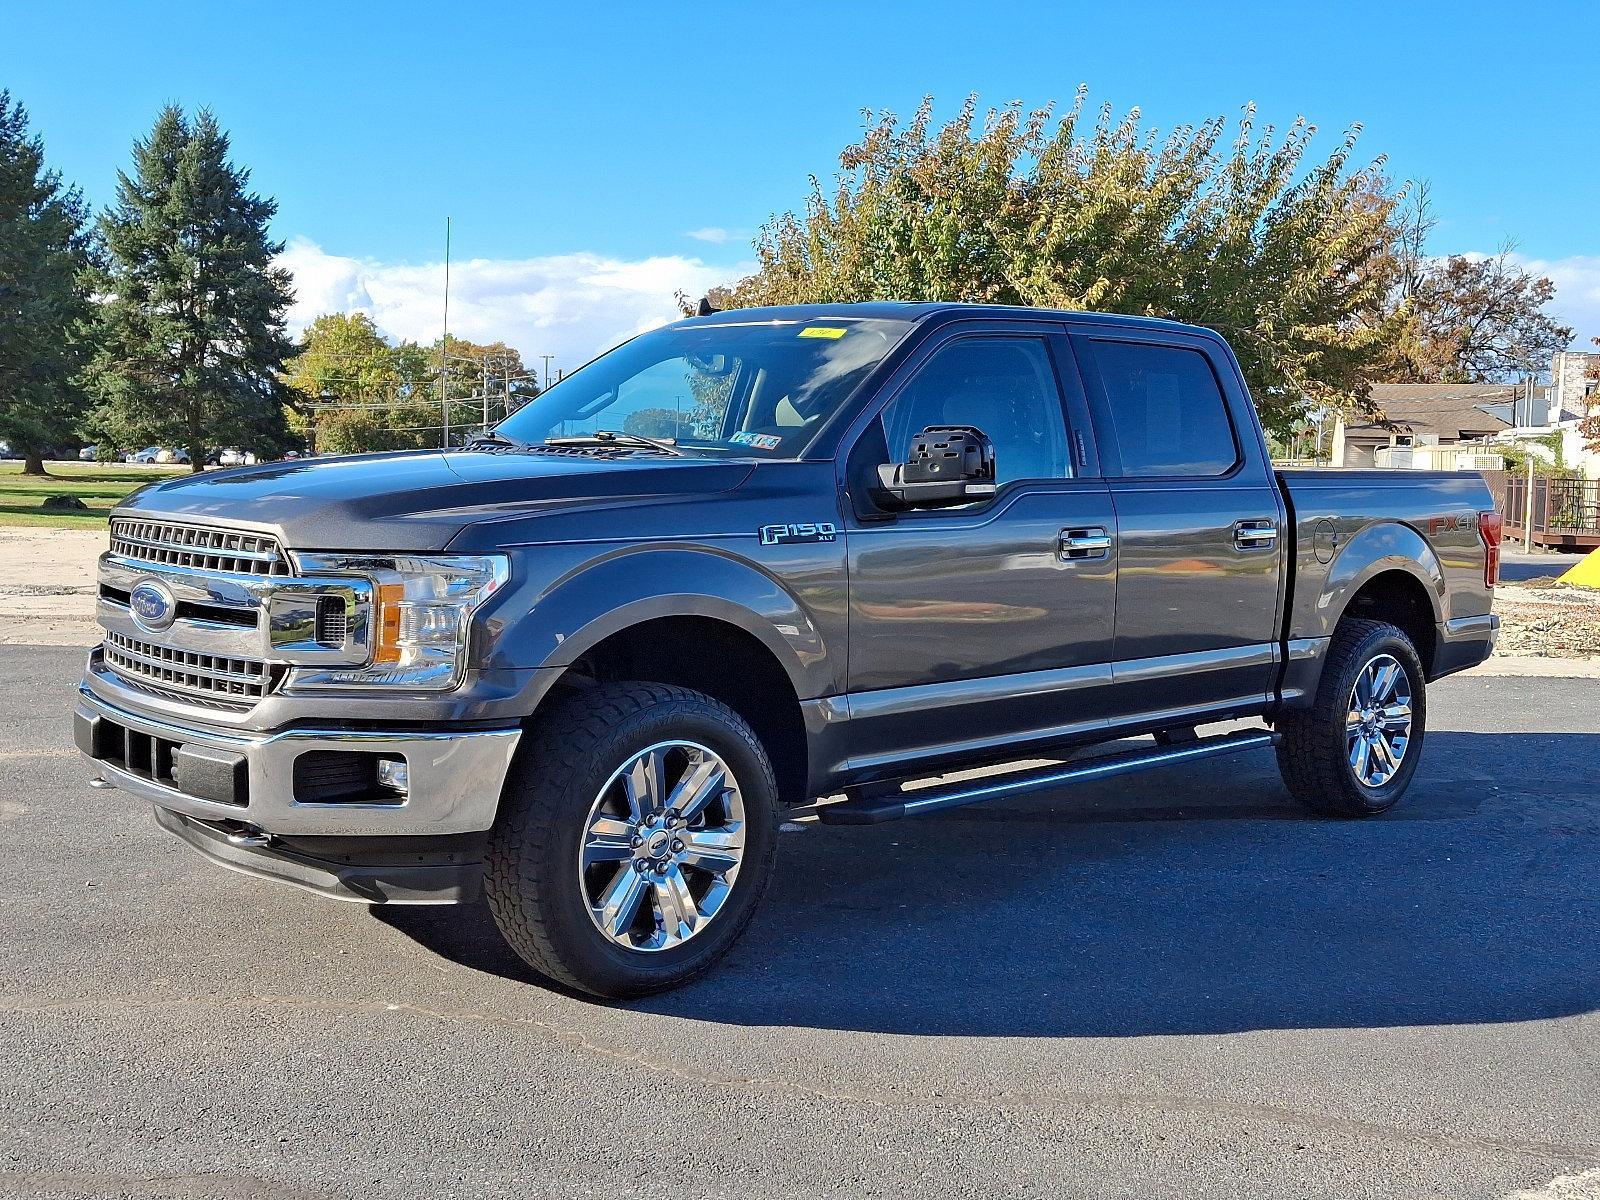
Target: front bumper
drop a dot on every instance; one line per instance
(262, 780)
(445, 870)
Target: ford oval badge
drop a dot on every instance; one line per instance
(152, 605)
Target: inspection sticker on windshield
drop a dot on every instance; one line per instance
(761, 441)
(822, 331)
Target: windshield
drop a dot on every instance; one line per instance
(737, 389)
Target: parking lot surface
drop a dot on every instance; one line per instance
(1170, 985)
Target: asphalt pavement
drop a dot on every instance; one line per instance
(1173, 985)
(1519, 566)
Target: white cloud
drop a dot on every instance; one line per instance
(571, 306)
(1577, 300)
(714, 234)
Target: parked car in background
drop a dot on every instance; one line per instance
(172, 456)
(88, 452)
(150, 454)
(233, 458)
(588, 670)
(5, 451)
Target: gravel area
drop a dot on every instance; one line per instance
(1544, 619)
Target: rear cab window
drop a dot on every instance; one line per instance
(1159, 408)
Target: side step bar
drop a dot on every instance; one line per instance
(872, 810)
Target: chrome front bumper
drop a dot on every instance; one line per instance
(454, 777)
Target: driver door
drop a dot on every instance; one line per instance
(993, 622)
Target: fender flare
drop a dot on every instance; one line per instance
(637, 584)
(1373, 551)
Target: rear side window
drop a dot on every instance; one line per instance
(1165, 408)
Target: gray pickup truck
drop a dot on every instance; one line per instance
(587, 662)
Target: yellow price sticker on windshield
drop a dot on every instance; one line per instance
(822, 331)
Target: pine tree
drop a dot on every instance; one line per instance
(44, 306)
(192, 336)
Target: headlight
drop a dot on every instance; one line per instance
(422, 616)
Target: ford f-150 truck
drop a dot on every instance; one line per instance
(586, 663)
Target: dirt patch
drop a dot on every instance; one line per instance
(47, 586)
(1548, 620)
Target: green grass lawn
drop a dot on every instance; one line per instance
(99, 485)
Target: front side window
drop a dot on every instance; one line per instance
(736, 389)
(1165, 407)
(1004, 386)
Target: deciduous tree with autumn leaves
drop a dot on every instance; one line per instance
(1300, 260)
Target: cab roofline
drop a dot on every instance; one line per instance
(926, 312)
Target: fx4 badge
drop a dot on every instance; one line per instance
(818, 531)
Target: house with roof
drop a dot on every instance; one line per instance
(1426, 424)
(1457, 426)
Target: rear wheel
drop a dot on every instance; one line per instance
(1354, 751)
(635, 838)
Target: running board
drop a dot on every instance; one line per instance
(872, 810)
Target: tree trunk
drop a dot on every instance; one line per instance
(32, 464)
(197, 459)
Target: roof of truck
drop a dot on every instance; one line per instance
(919, 311)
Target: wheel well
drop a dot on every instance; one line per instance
(1401, 600)
(725, 663)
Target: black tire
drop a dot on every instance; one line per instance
(1313, 749)
(532, 878)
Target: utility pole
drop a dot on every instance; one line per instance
(485, 393)
(547, 358)
(444, 341)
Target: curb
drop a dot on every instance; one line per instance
(1534, 667)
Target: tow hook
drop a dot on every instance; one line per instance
(245, 836)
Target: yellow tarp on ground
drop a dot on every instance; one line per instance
(1586, 573)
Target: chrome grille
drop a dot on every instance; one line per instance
(197, 547)
(225, 681)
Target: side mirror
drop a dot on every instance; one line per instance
(949, 465)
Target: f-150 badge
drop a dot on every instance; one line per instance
(787, 535)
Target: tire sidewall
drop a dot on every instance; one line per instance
(1390, 641)
(590, 955)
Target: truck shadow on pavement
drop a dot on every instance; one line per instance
(1193, 902)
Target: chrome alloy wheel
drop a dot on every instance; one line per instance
(662, 846)
(1378, 727)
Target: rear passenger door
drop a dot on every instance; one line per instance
(1199, 524)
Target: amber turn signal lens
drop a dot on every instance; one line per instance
(388, 648)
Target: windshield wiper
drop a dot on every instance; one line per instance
(491, 438)
(610, 437)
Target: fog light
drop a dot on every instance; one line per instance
(392, 774)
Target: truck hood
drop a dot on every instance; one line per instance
(416, 500)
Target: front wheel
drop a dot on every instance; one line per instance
(635, 838)
(1354, 751)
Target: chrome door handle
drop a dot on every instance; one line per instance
(1257, 534)
(1078, 545)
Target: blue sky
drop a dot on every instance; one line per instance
(578, 147)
